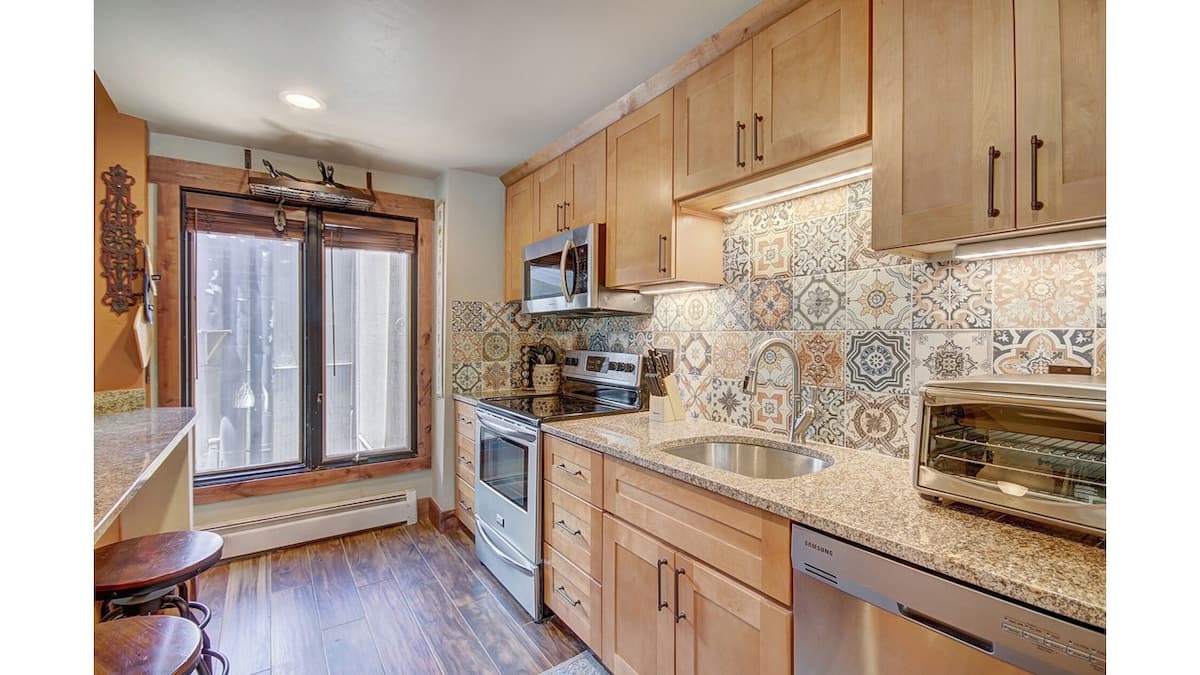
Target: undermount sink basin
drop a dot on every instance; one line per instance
(756, 461)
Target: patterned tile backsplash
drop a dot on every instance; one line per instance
(869, 328)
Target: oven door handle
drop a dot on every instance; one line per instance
(562, 269)
(481, 530)
(496, 426)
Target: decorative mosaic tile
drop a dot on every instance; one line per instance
(859, 254)
(771, 254)
(495, 347)
(731, 354)
(731, 307)
(772, 217)
(877, 422)
(1050, 290)
(522, 321)
(465, 347)
(598, 342)
(727, 402)
(497, 375)
(632, 342)
(735, 257)
(1034, 351)
(822, 358)
(694, 393)
(819, 245)
(1102, 288)
(878, 360)
(1100, 354)
(952, 294)
(668, 312)
(696, 310)
(879, 298)
(466, 376)
(466, 316)
(817, 205)
(518, 377)
(829, 425)
(524, 339)
(771, 304)
(496, 316)
(771, 408)
(819, 301)
(695, 356)
(941, 355)
(858, 195)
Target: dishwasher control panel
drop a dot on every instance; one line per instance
(1053, 642)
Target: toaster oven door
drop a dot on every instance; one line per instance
(1047, 462)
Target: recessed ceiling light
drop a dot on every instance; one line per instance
(301, 100)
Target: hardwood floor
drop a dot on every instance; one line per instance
(405, 599)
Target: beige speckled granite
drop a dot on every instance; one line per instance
(868, 498)
(120, 400)
(128, 448)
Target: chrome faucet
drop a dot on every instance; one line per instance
(800, 421)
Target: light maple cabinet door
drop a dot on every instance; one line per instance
(518, 233)
(726, 627)
(640, 205)
(943, 96)
(638, 634)
(584, 171)
(712, 123)
(548, 200)
(1060, 69)
(812, 87)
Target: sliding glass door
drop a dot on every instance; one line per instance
(300, 336)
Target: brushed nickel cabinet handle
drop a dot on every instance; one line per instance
(662, 246)
(558, 209)
(758, 120)
(741, 128)
(562, 590)
(562, 525)
(464, 460)
(661, 603)
(992, 211)
(1034, 144)
(466, 506)
(566, 218)
(679, 616)
(563, 467)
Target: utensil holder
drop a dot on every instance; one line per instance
(667, 408)
(546, 378)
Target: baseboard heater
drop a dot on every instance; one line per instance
(327, 520)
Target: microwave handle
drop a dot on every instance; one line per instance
(562, 269)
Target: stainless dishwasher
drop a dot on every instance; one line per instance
(858, 612)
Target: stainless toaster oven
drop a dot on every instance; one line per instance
(1028, 445)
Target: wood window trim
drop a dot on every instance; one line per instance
(172, 176)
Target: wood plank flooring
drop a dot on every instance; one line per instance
(405, 599)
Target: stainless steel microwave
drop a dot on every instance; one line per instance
(565, 275)
(1029, 445)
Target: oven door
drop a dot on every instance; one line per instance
(559, 272)
(507, 481)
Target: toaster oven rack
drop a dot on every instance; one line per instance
(1077, 461)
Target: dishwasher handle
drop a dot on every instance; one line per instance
(945, 628)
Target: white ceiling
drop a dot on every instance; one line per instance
(414, 86)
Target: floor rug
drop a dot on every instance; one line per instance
(582, 664)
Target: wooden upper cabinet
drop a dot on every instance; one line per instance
(943, 96)
(584, 172)
(1060, 70)
(712, 123)
(638, 634)
(812, 87)
(727, 628)
(518, 232)
(640, 206)
(548, 200)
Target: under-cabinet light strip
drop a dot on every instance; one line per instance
(778, 195)
(1072, 240)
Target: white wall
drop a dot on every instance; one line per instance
(223, 154)
(474, 255)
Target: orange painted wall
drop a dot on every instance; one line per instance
(119, 139)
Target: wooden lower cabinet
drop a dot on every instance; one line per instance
(464, 503)
(727, 628)
(639, 632)
(573, 595)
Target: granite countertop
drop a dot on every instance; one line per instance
(868, 498)
(129, 447)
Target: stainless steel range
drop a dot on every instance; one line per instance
(509, 465)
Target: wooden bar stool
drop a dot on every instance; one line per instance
(146, 644)
(140, 576)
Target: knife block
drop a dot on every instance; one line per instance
(667, 408)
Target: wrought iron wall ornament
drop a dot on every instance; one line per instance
(120, 249)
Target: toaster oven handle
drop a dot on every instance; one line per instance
(562, 269)
(957, 488)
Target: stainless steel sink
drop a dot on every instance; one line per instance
(756, 461)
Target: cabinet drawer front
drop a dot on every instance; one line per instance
(573, 595)
(464, 419)
(464, 459)
(574, 528)
(748, 544)
(464, 503)
(574, 468)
